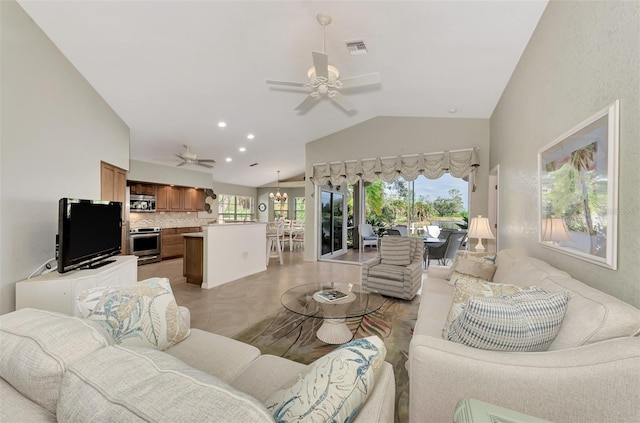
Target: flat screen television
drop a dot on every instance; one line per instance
(89, 231)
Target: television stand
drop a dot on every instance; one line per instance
(99, 264)
(58, 291)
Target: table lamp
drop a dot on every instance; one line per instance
(479, 228)
(555, 229)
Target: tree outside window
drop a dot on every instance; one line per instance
(299, 212)
(235, 207)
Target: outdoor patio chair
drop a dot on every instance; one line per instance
(367, 237)
(446, 251)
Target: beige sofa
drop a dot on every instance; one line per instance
(591, 372)
(49, 360)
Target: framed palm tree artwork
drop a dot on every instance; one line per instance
(578, 186)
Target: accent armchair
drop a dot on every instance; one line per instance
(397, 269)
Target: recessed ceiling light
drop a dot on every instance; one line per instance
(242, 149)
(453, 110)
(222, 124)
(250, 136)
(228, 159)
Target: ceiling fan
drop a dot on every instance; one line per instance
(324, 79)
(191, 158)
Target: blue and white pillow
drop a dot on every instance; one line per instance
(334, 387)
(524, 321)
(142, 315)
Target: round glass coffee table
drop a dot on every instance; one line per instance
(334, 303)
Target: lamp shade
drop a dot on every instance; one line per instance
(479, 228)
(555, 229)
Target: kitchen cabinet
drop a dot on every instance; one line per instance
(168, 198)
(142, 189)
(179, 199)
(172, 243)
(192, 199)
(113, 187)
(192, 262)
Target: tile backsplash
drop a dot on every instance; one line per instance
(170, 219)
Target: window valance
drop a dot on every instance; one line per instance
(460, 164)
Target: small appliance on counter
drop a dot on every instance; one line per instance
(146, 243)
(142, 203)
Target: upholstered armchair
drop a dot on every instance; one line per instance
(397, 269)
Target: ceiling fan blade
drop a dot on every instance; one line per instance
(180, 156)
(342, 101)
(306, 103)
(291, 84)
(360, 80)
(204, 164)
(181, 164)
(207, 160)
(321, 63)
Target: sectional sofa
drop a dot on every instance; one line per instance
(590, 373)
(60, 368)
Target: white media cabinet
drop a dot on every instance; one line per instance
(58, 291)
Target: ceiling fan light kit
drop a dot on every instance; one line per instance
(324, 78)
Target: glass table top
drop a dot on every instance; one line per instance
(358, 302)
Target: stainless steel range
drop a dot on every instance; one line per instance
(146, 243)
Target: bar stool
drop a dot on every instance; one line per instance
(275, 231)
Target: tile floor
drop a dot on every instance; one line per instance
(230, 308)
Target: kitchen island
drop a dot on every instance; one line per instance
(231, 251)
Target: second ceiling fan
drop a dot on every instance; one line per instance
(324, 79)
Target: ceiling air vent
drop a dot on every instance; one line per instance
(356, 47)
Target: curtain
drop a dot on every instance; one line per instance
(460, 164)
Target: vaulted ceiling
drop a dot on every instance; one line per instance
(172, 70)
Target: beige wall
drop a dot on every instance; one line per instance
(392, 136)
(582, 57)
(55, 130)
(169, 175)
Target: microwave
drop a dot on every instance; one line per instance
(142, 203)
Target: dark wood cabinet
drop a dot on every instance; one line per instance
(172, 241)
(168, 198)
(193, 259)
(174, 195)
(142, 189)
(172, 198)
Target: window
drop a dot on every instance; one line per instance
(281, 209)
(299, 212)
(235, 207)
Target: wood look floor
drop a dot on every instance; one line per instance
(230, 308)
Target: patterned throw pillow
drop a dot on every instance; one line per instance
(524, 321)
(472, 256)
(144, 314)
(334, 387)
(395, 250)
(465, 289)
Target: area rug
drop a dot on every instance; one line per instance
(293, 336)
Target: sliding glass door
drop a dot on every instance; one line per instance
(332, 240)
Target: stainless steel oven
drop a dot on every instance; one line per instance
(146, 243)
